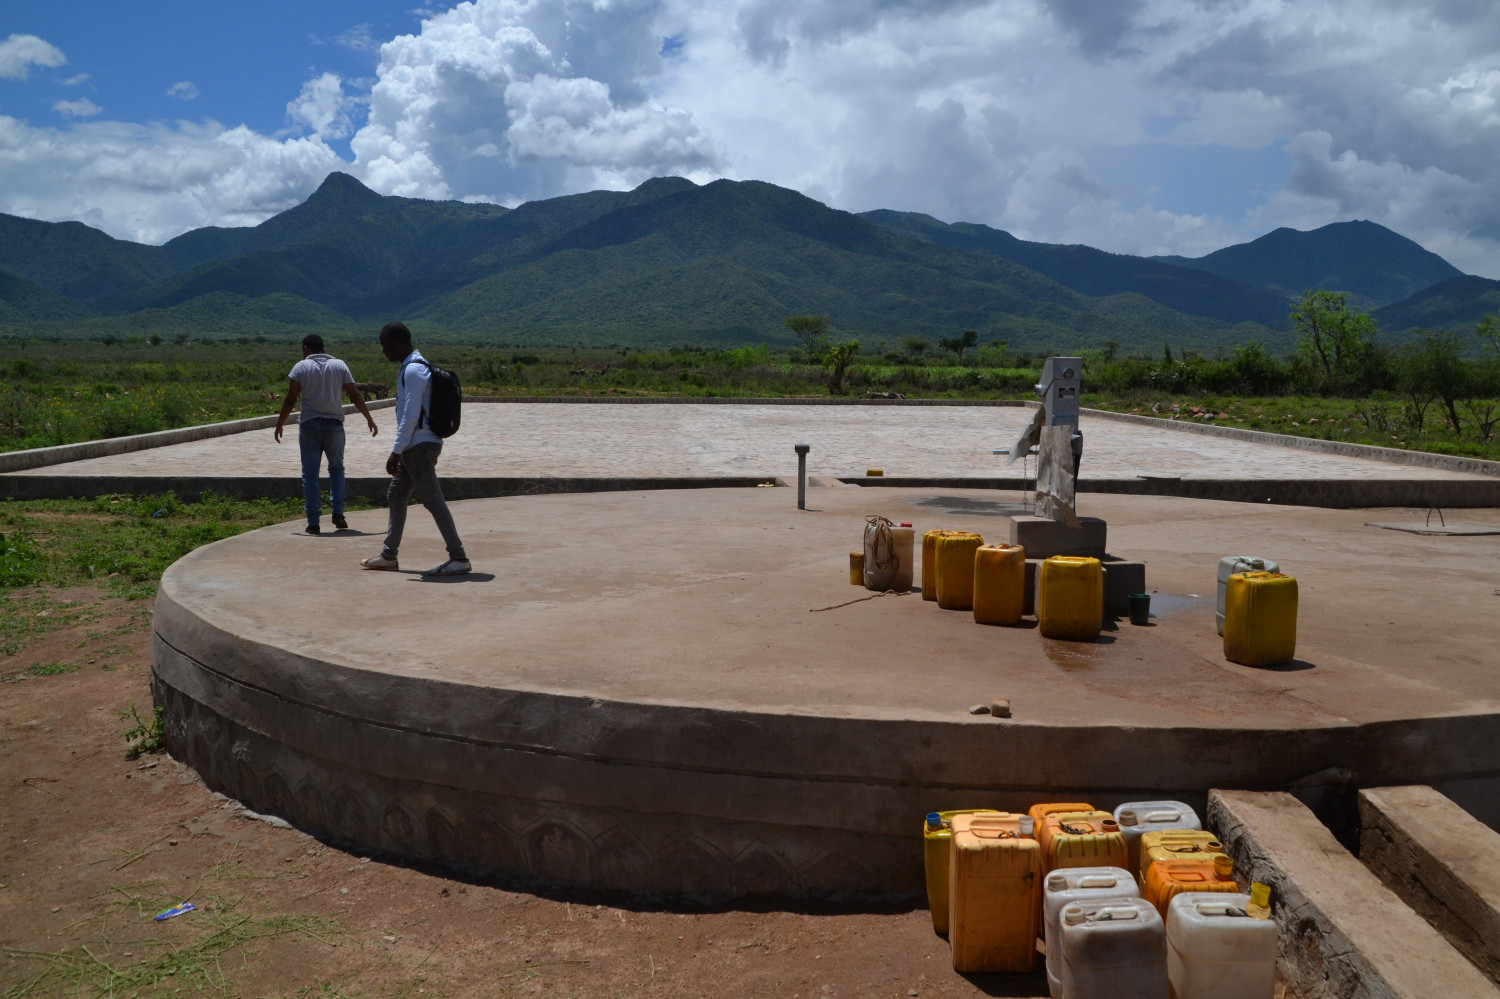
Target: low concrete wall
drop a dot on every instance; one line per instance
(1342, 933)
(1439, 860)
(16, 461)
(1335, 493)
(1398, 456)
(25, 487)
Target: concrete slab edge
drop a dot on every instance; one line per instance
(683, 400)
(1397, 456)
(32, 487)
(16, 461)
(1334, 493)
(1341, 932)
(1439, 860)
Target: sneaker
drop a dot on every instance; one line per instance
(452, 567)
(339, 523)
(314, 529)
(380, 562)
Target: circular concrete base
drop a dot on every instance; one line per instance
(678, 691)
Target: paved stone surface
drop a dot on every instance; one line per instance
(556, 439)
(688, 673)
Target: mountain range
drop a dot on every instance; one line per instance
(673, 262)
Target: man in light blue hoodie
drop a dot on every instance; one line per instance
(412, 464)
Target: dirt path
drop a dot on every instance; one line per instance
(93, 845)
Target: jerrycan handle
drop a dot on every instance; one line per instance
(1112, 913)
(1166, 815)
(1219, 909)
(1098, 881)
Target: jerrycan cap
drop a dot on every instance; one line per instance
(1057, 882)
(1109, 825)
(1127, 817)
(1073, 915)
(934, 820)
(1223, 866)
(1260, 894)
(1026, 826)
(905, 523)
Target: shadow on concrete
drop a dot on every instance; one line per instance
(468, 577)
(1294, 666)
(632, 901)
(346, 533)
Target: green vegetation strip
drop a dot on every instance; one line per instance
(63, 558)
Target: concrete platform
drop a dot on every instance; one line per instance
(678, 691)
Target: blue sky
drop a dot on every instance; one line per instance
(1139, 126)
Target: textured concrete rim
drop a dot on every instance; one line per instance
(686, 794)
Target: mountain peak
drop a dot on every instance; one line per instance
(342, 190)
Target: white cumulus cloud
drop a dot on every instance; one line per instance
(510, 100)
(323, 108)
(151, 182)
(81, 108)
(19, 53)
(183, 90)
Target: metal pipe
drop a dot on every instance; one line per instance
(802, 450)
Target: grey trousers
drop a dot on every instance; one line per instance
(418, 472)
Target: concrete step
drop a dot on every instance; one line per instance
(1439, 860)
(1342, 933)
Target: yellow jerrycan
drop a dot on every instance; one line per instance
(994, 893)
(1260, 618)
(1070, 605)
(955, 569)
(999, 584)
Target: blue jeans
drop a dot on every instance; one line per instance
(317, 437)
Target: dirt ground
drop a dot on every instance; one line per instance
(93, 846)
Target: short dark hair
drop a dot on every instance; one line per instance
(395, 332)
(313, 342)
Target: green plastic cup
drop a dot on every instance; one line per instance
(1140, 608)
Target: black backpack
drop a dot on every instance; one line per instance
(442, 415)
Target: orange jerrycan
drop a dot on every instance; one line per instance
(955, 569)
(1081, 839)
(1178, 844)
(1070, 605)
(1260, 618)
(929, 562)
(937, 836)
(999, 584)
(1166, 879)
(994, 893)
(1041, 810)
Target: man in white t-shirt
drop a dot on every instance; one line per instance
(321, 381)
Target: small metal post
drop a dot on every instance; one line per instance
(802, 450)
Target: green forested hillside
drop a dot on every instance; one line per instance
(1374, 265)
(1095, 272)
(670, 262)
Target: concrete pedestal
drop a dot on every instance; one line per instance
(1043, 538)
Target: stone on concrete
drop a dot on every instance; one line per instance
(1342, 932)
(1439, 860)
(1043, 538)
